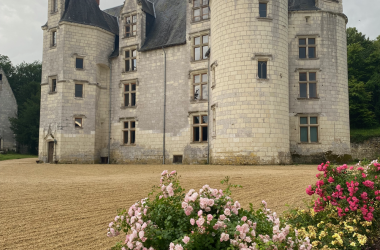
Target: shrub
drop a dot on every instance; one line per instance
(208, 219)
(346, 214)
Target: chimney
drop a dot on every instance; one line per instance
(98, 1)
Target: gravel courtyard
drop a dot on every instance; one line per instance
(46, 206)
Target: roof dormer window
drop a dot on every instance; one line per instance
(200, 10)
(131, 26)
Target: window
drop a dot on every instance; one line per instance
(214, 121)
(1, 77)
(309, 129)
(307, 48)
(200, 47)
(54, 5)
(200, 128)
(308, 84)
(54, 38)
(200, 10)
(200, 87)
(263, 7)
(78, 123)
(262, 69)
(130, 60)
(53, 85)
(129, 133)
(131, 26)
(79, 63)
(177, 159)
(130, 94)
(79, 90)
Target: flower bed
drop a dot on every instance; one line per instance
(342, 217)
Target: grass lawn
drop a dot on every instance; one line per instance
(4, 157)
(360, 135)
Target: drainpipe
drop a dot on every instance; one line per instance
(109, 126)
(208, 111)
(163, 153)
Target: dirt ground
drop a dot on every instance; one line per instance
(69, 206)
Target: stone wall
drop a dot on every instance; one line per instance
(369, 149)
(8, 108)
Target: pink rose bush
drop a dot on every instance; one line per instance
(208, 219)
(345, 212)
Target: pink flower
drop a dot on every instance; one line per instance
(227, 212)
(222, 217)
(351, 168)
(369, 184)
(141, 234)
(331, 180)
(224, 237)
(165, 172)
(244, 218)
(200, 221)
(200, 212)
(209, 217)
(309, 190)
(173, 172)
(186, 239)
(192, 221)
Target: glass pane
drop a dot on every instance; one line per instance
(197, 15)
(127, 54)
(133, 99)
(204, 133)
(78, 90)
(126, 100)
(311, 41)
(312, 90)
(134, 19)
(196, 3)
(262, 70)
(54, 85)
(303, 120)
(313, 134)
(133, 137)
(127, 67)
(134, 53)
(197, 94)
(197, 40)
(205, 2)
(196, 133)
(205, 49)
(128, 19)
(205, 119)
(313, 120)
(312, 76)
(311, 52)
(133, 124)
(126, 87)
(133, 87)
(302, 41)
(205, 13)
(196, 120)
(197, 54)
(304, 137)
(79, 63)
(125, 137)
(303, 77)
(302, 52)
(204, 78)
(263, 9)
(197, 79)
(205, 39)
(303, 90)
(134, 29)
(134, 64)
(204, 92)
(127, 33)
(126, 124)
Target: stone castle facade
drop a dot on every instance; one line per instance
(8, 108)
(239, 82)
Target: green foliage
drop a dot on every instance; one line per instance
(360, 135)
(12, 156)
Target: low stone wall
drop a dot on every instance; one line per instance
(369, 149)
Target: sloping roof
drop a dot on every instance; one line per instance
(115, 11)
(169, 27)
(148, 7)
(295, 5)
(88, 12)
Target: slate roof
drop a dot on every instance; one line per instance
(295, 5)
(115, 11)
(148, 7)
(169, 27)
(88, 12)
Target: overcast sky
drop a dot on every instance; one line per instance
(21, 21)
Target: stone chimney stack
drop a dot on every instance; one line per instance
(98, 1)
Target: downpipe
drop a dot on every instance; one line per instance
(164, 129)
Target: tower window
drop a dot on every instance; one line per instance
(130, 60)
(1, 77)
(262, 69)
(79, 63)
(54, 38)
(263, 9)
(200, 10)
(129, 133)
(131, 26)
(307, 48)
(53, 85)
(200, 47)
(200, 87)
(308, 84)
(200, 128)
(309, 129)
(79, 90)
(78, 123)
(54, 5)
(130, 94)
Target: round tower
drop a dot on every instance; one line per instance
(250, 92)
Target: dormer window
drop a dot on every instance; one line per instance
(131, 26)
(200, 10)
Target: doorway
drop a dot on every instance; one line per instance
(50, 152)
